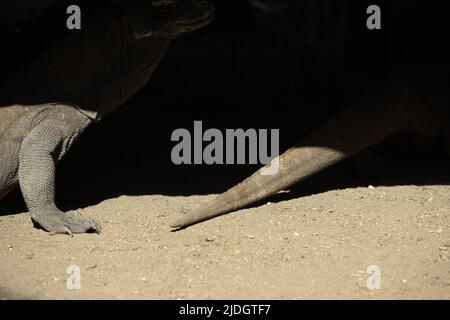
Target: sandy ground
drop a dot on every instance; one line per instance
(318, 246)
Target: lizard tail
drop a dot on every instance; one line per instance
(349, 133)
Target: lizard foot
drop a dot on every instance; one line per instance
(66, 223)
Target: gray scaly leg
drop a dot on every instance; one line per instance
(51, 136)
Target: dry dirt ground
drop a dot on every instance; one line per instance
(319, 246)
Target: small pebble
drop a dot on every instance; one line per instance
(438, 231)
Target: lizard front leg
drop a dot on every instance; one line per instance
(50, 137)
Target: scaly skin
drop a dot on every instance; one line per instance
(45, 107)
(375, 117)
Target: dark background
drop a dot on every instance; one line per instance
(291, 65)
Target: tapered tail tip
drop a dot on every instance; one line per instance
(188, 220)
(182, 222)
(176, 224)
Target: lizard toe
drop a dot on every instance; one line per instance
(51, 222)
(77, 224)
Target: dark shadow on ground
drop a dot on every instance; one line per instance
(89, 177)
(244, 72)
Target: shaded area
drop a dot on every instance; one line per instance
(249, 69)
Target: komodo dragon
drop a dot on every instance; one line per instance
(46, 106)
(375, 116)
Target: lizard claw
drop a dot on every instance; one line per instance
(69, 232)
(65, 230)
